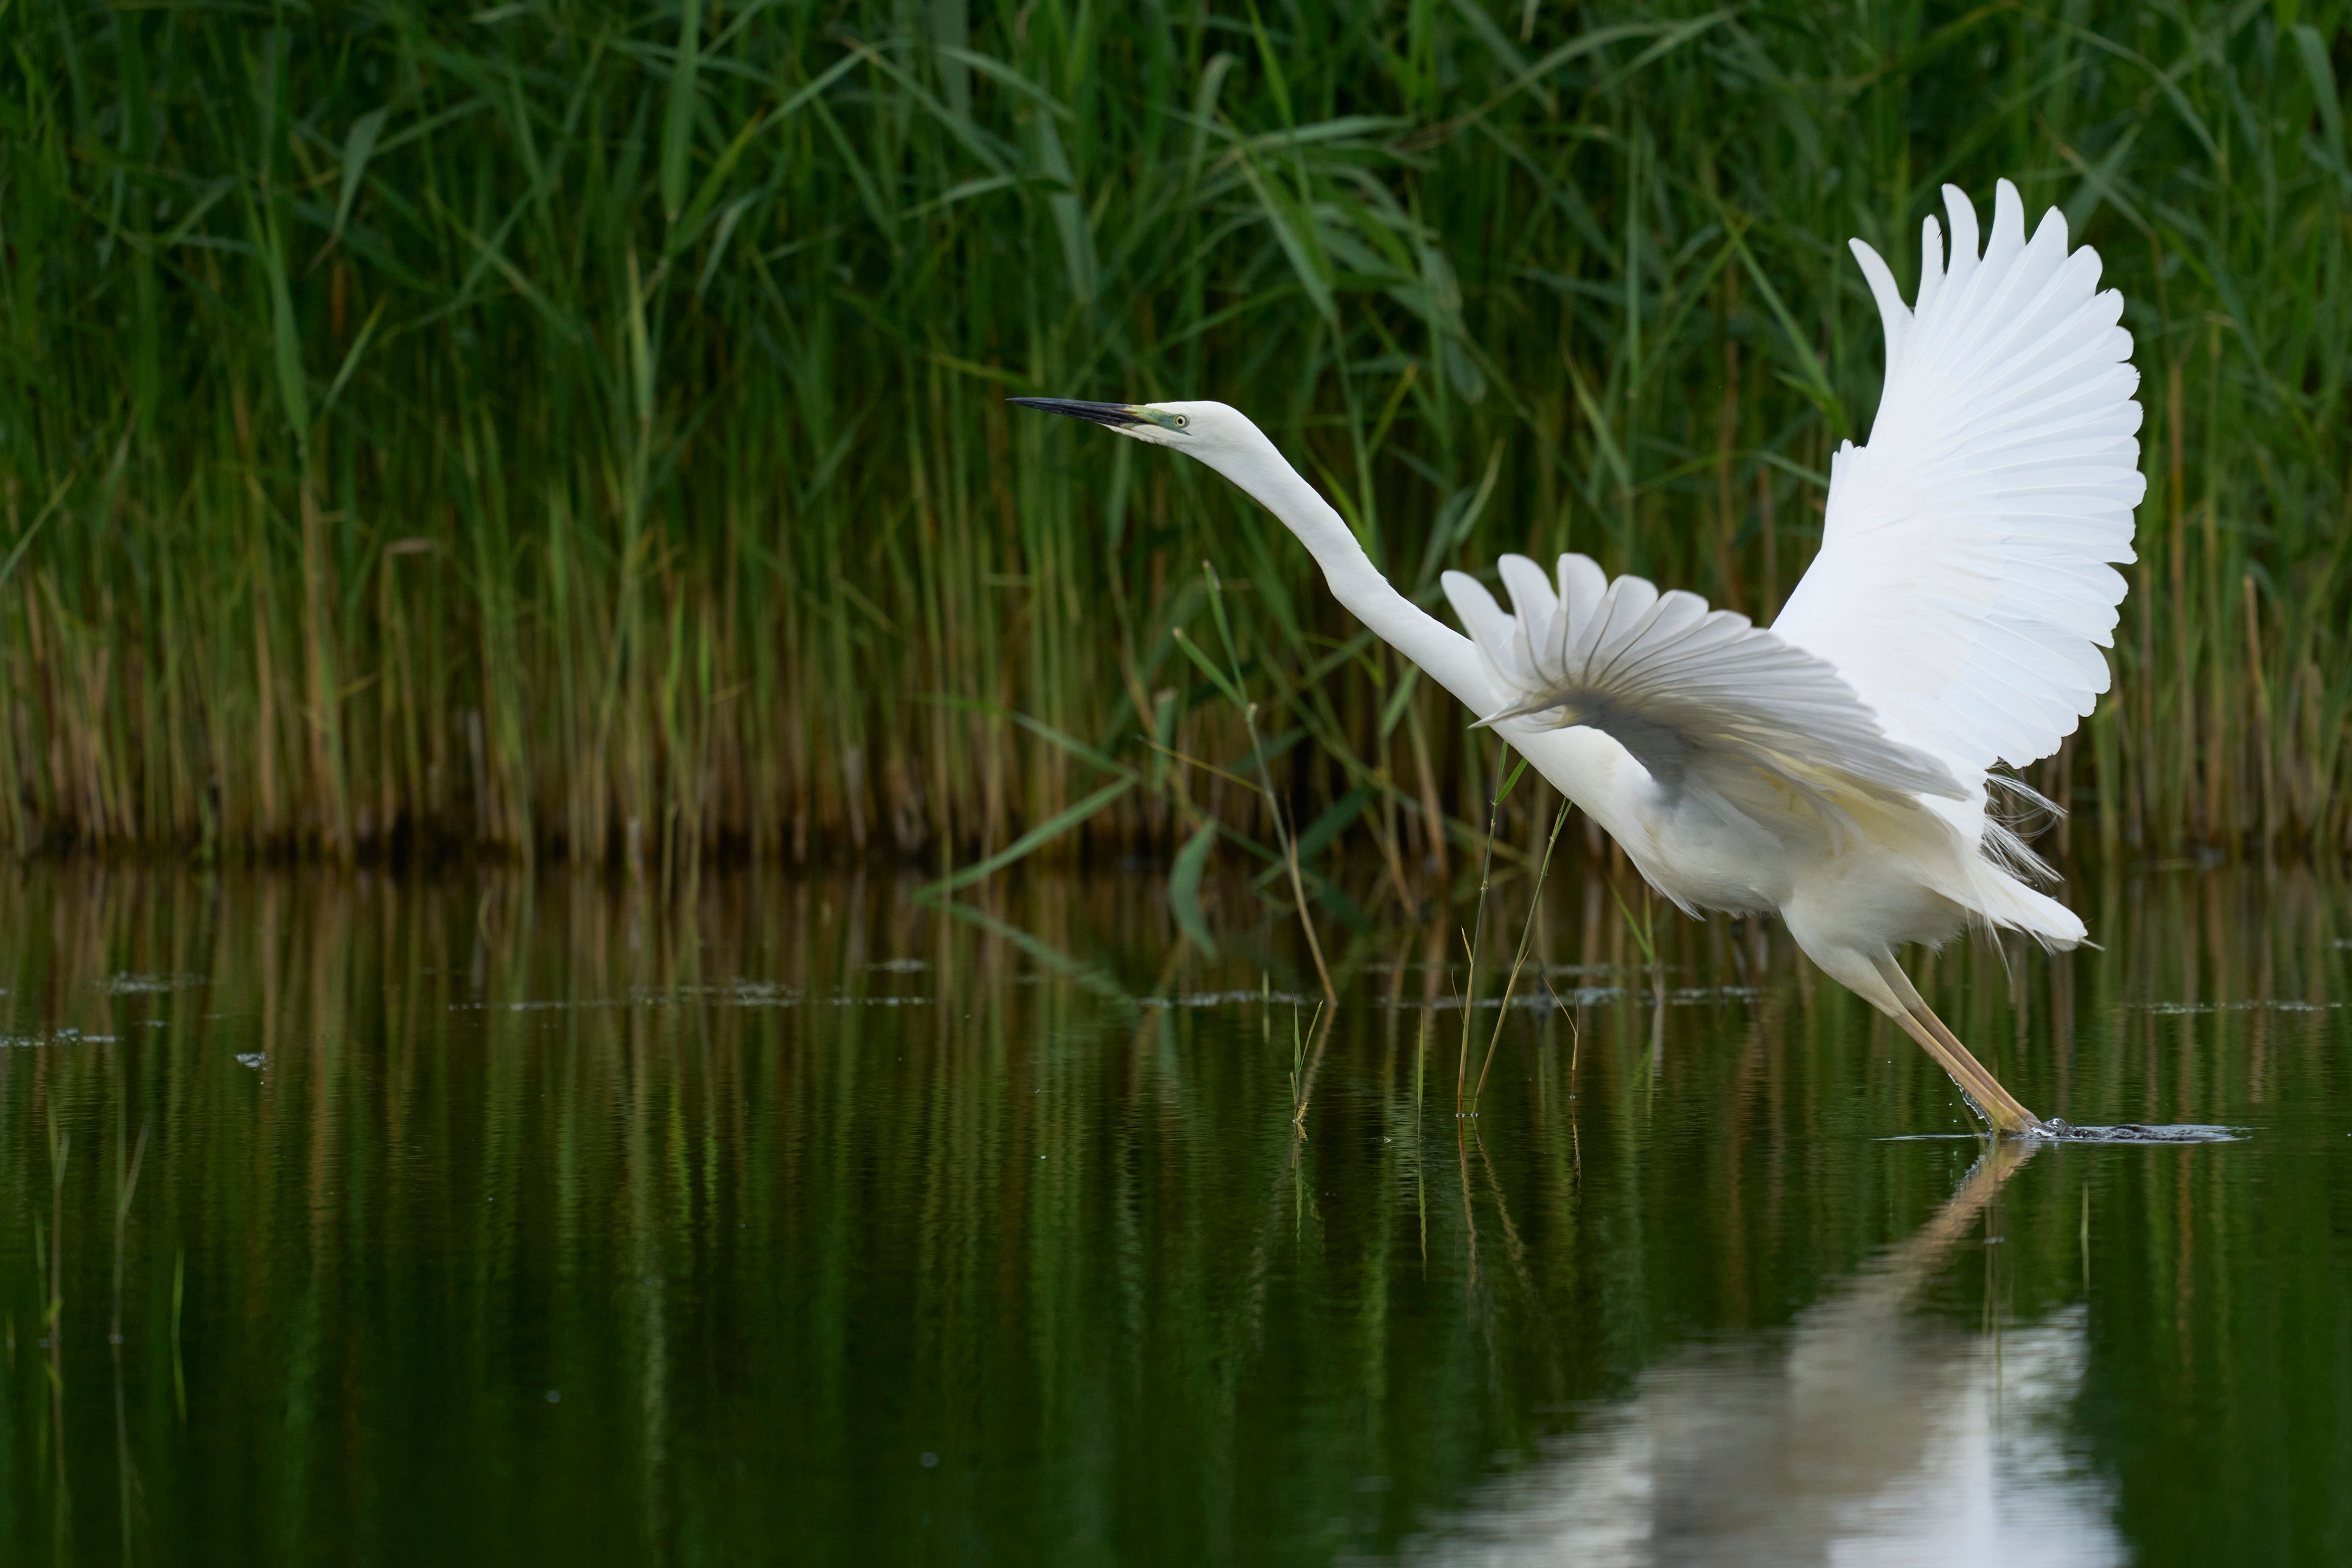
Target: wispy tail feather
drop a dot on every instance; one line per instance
(2015, 811)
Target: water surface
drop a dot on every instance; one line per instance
(364, 1220)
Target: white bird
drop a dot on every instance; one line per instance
(1834, 769)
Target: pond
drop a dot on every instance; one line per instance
(363, 1219)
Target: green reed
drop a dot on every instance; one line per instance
(578, 431)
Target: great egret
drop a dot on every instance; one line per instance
(1834, 769)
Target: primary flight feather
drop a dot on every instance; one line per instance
(1833, 768)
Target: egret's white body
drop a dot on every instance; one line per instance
(1834, 769)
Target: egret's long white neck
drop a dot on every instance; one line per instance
(1449, 658)
(1584, 764)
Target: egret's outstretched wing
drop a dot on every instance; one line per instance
(1693, 693)
(1965, 582)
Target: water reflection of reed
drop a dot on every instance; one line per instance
(795, 1176)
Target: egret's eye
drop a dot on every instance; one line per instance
(1182, 422)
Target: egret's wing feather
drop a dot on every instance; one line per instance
(1966, 580)
(1692, 693)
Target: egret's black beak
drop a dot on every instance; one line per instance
(1112, 414)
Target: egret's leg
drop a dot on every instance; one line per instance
(2005, 1111)
(1983, 1090)
(1978, 1088)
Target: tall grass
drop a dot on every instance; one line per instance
(577, 429)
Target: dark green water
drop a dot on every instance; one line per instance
(359, 1221)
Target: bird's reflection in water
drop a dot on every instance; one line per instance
(1869, 1434)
